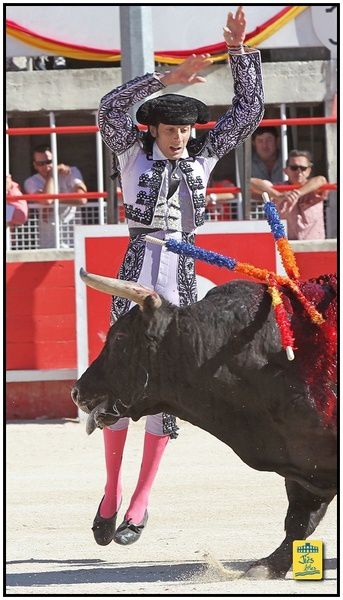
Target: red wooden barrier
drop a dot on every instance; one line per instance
(41, 329)
(40, 319)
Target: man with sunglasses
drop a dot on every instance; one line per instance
(301, 207)
(42, 182)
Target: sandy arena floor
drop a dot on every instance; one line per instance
(210, 516)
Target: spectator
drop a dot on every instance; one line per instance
(16, 210)
(17, 63)
(46, 63)
(301, 207)
(266, 160)
(36, 63)
(218, 206)
(69, 180)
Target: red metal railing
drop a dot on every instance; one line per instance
(280, 188)
(92, 195)
(60, 196)
(81, 129)
(94, 128)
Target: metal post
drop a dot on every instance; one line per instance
(137, 47)
(111, 187)
(7, 150)
(284, 145)
(331, 151)
(243, 153)
(8, 232)
(53, 141)
(293, 131)
(247, 176)
(137, 58)
(99, 172)
(8, 239)
(239, 195)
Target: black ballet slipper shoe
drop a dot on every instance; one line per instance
(104, 529)
(129, 533)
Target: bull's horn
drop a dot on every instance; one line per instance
(117, 287)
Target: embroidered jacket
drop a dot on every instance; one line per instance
(144, 178)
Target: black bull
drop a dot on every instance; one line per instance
(219, 365)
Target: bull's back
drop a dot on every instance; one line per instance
(265, 408)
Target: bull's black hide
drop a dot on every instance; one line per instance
(219, 365)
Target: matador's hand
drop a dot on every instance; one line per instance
(234, 31)
(187, 72)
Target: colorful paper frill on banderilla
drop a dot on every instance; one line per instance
(272, 280)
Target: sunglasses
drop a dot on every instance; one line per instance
(41, 163)
(297, 167)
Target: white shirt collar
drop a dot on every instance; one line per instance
(157, 154)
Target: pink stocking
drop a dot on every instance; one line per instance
(114, 445)
(154, 446)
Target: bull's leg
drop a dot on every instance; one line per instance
(305, 511)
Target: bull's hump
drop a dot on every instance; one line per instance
(238, 287)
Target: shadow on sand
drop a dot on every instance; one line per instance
(98, 571)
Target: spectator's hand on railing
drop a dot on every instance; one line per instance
(291, 198)
(63, 169)
(220, 197)
(9, 183)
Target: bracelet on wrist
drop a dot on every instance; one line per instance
(238, 47)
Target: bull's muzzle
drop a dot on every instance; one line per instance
(101, 415)
(76, 398)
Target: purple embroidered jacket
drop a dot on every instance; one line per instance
(144, 178)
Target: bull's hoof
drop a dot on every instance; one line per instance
(262, 571)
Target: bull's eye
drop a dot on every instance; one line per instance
(120, 335)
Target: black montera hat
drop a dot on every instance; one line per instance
(173, 109)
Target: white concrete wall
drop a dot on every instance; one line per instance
(31, 91)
